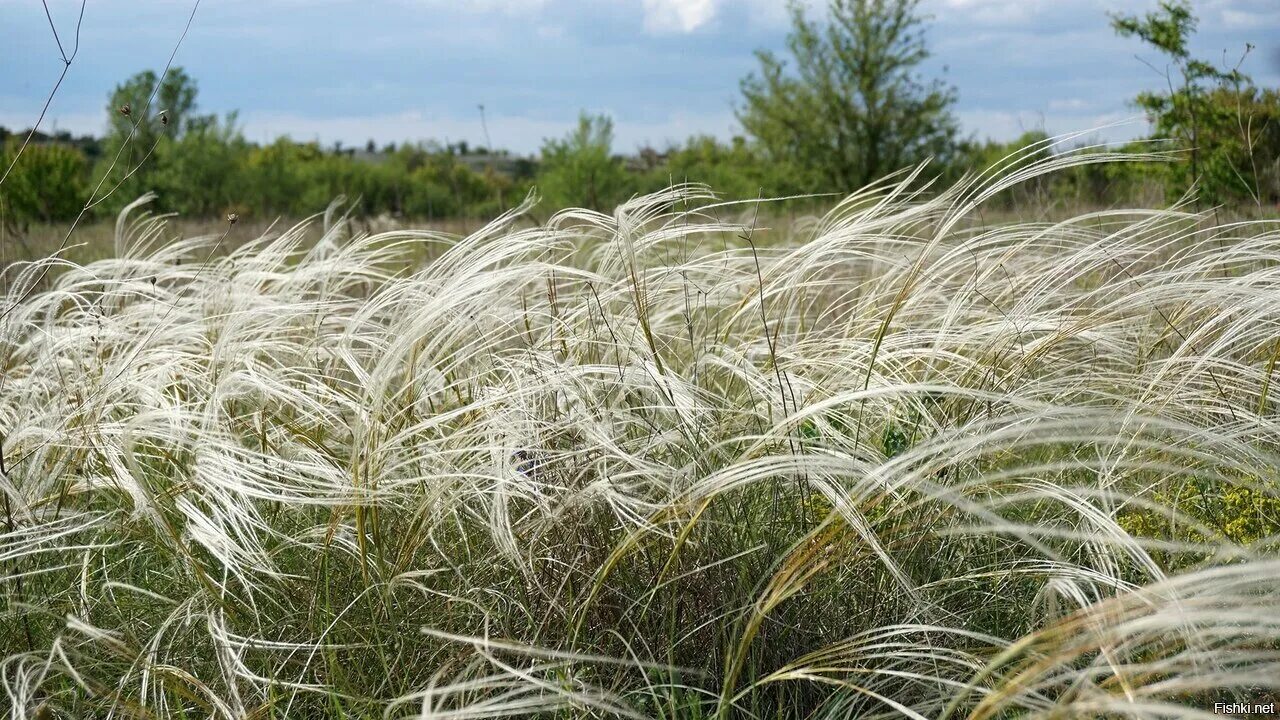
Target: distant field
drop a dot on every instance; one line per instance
(95, 240)
(909, 459)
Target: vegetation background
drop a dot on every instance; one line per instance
(846, 106)
(984, 438)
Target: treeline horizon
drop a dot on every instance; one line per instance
(216, 171)
(819, 122)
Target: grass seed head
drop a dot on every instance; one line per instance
(888, 463)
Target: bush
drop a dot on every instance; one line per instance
(580, 169)
(46, 184)
(201, 173)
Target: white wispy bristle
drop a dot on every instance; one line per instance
(891, 463)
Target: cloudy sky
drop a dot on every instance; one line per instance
(392, 70)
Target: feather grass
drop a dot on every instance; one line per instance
(657, 463)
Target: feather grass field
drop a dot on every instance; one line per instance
(668, 463)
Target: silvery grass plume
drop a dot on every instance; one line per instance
(665, 463)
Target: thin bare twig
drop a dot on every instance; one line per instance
(66, 66)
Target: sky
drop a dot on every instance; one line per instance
(397, 70)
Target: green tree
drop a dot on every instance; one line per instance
(1257, 113)
(273, 177)
(1214, 114)
(854, 106)
(170, 112)
(47, 184)
(732, 169)
(579, 170)
(199, 173)
(143, 112)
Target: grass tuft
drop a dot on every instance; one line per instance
(668, 462)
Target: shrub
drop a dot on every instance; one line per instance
(46, 184)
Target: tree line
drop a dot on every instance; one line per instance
(844, 106)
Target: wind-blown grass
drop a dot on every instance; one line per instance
(659, 463)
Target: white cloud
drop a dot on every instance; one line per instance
(1249, 20)
(1024, 13)
(680, 16)
(482, 7)
(1069, 104)
(988, 12)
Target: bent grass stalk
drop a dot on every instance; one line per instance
(890, 463)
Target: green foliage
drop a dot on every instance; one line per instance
(1031, 145)
(1139, 182)
(1077, 186)
(288, 178)
(143, 113)
(993, 157)
(580, 169)
(1241, 145)
(855, 107)
(735, 169)
(846, 108)
(201, 165)
(1238, 513)
(199, 173)
(153, 111)
(273, 177)
(46, 184)
(1223, 123)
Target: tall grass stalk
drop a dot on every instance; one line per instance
(667, 462)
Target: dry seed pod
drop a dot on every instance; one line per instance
(125, 110)
(233, 218)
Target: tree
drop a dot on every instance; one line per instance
(199, 173)
(733, 168)
(855, 108)
(579, 170)
(46, 185)
(1216, 115)
(170, 113)
(143, 112)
